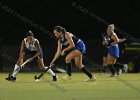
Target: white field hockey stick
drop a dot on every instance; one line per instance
(22, 65)
(60, 70)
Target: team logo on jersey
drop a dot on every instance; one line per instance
(65, 43)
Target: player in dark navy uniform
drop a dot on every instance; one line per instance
(119, 67)
(30, 49)
(111, 41)
(76, 47)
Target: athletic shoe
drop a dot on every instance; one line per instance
(11, 78)
(119, 72)
(104, 74)
(55, 78)
(125, 68)
(91, 79)
(66, 77)
(113, 75)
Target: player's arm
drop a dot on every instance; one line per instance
(122, 40)
(70, 41)
(58, 53)
(115, 38)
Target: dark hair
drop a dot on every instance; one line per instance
(60, 29)
(30, 33)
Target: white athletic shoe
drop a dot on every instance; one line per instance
(66, 77)
(113, 75)
(125, 68)
(91, 79)
(119, 72)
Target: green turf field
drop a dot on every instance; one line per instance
(125, 87)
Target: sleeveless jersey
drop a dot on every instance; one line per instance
(32, 46)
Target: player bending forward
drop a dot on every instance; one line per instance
(67, 42)
(30, 50)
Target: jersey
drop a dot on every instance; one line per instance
(30, 47)
(64, 41)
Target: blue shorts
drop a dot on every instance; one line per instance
(80, 46)
(32, 53)
(114, 51)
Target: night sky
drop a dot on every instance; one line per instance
(49, 13)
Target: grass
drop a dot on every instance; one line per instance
(125, 87)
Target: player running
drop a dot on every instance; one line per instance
(75, 47)
(119, 66)
(31, 49)
(111, 41)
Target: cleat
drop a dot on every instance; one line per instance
(55, 78)
(66, 77)
(35, 77)
(113, 75)
(125, 68)
(119, 72)
(91, 79)
(11, 78)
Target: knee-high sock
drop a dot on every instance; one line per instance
(86, 72)
(112, 69)
(104, 68)
(117, 67)
(68, 67)
(16, 70)
(51, 72)
(121, 66)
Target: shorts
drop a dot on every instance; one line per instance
(32, 53)
(80, 46)
(114, 51)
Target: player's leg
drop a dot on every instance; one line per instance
(79, 64)
(68, 60)
(17, 68)
(111, 61)
(45, 69)
(104, 64)
(121, 67)
(105, 53)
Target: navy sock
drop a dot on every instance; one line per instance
(112, 69)
(104, 69)
(87, 72)
(117, 67)
(68, 66)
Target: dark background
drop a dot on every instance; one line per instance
(48, 13)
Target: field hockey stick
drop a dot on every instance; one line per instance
(106, 42)
(42, 74)
(21, 66)
(60, 70)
